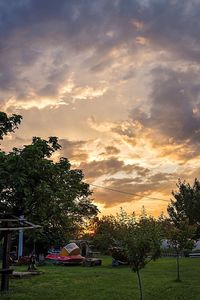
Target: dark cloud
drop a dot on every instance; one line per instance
(33, 32)
(39, 38)
(110, 151)
(111, 166)
(90, 21)
(126, 130)
(130, 74)
(174, 107)
(79, 21)
(174, 26)
(96, 169)
(73, 150)
(101, 66)
(134, 190)
(162, 177)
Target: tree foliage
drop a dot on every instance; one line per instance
(186, 204)
(136, 240)
(46, 192)
(142, 242)
(184, 223)
(8, 124)
(104, 231)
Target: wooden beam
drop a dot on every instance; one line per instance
(18, 228)
(1, 235)
(29, 223)
(9, 220)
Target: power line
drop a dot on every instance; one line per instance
(127, 193)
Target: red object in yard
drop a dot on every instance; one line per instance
(69, 259)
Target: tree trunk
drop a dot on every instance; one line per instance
(140, 285)
(1, 235)
(178, 267)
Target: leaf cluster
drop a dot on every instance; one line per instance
(142, 242)
(136, 240)
(186, 202)
(8, 124)
(181, 236)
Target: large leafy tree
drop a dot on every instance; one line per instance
(185, 204)
(46, 192)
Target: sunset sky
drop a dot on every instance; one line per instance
(118, 81)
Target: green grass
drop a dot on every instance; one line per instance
(106, 282)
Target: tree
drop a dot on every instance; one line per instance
(46, 192)
(8, 124)
(143, 245)
(104, 232)
(180, 237)
(140, 238)
(107, 230)
(186, 203)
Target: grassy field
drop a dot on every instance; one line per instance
(106, 282)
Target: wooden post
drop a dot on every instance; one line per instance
(5, 263)
(6, 228)
(20, 241)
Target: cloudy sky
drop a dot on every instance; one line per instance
(118, 81)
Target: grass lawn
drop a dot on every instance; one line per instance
(106, 282)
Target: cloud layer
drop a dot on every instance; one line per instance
(117, 81)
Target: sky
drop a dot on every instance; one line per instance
(117, 81)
